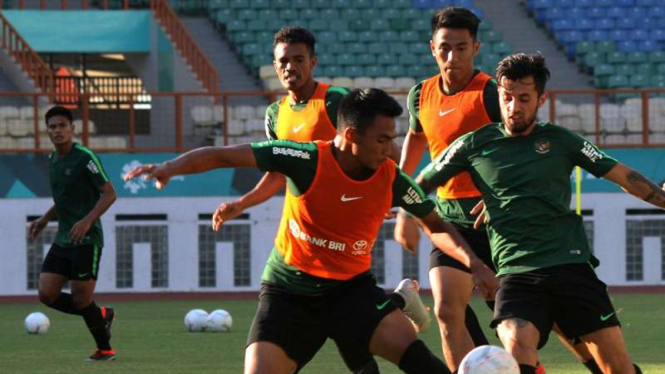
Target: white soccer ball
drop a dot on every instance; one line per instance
(219, 321)
(489, 359)
(37, 323)
(195, 320)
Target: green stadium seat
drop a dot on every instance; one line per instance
(300, 4)
(657, 81)
(272, 25)
(409, 36)
(398, 48)
(367, 59)
(238, 4)
(329, 14)
(421, 25)
(288, 14)
(322, 48)
(395, 71)
(299, 22)
(389, 36)
(418, 71)
(357, 48)
(280, 4)
(426, 59)
(333, 71)
(603, 70)
(400, 24)
(259, 4)
(490, 36)
(390, 14)
(418, 48)
(339, 25)
(413, 14)
(385, 59)
(375, 71)
(326, 37)
(660, 69)
(256, 25)
(639, 81)
(606, 46)
(309, 14)
(224, 16)
(502, 48)
(347, 36)
(383, 4)
(236, 25)
(377, 48)
(241, 37)
(402, 4)
(337, 48)
(583, 47)
(592, 59)
(379, 24)
(267, 14)
(261, 60)
(249, 49)
(319, 4)
(645, 68)
(349, 14)
(425, 35)
(358, 25)
(371, 15)
(637, 57)
(318, 25)
(326, 59)
(214, 5)
(346, 59)
(485, 25)
(368, 36)
(624, 69)
(618, 81)
(361, 4)
(354, 71)
(491, 60)
(657, 57)
(248, 15)
(408, 59)
(340, 4)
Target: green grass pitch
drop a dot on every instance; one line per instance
(150, 337)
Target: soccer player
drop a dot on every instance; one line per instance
(308, 113)
(317, 284)
(522, 169)
(457, 100)
(81, 193)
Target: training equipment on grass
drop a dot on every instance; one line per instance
(219, 321)
(37, 323)
(195, 320)
(489, 359)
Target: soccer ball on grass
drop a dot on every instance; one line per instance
(489, 359)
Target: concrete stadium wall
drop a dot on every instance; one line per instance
(181, 221)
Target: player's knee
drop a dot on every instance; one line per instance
(47, 297)
(449, 313)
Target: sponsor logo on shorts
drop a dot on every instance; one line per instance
(605, 317)
(291, 152)
(381, 306)
(81, 275)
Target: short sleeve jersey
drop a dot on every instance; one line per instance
(313, 119)
(330, 221)
(525, 184)
(75, 180)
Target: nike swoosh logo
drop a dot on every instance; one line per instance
(298, 128)
(82, 275)
(485, 152)
(381, 306)
(605, 318)
(442, 113)
(345, 199)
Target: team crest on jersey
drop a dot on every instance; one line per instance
(542, 146)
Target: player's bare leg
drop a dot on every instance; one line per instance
(520, 338)
(608, 348)
(267, 358)
(50, 287)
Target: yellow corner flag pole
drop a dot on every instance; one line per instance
(578, 190)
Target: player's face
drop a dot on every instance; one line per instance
(60, 130)
(374, 146)
(454, 50)
(294, 65)
(519, 103)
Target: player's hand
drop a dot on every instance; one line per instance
(225, 212)
(481, 211)
(157, 172)
(36, 227)
(485, 279)
(407, 232)
(78, 231)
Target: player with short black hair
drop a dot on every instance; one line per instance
(81, 192)
(317, 282)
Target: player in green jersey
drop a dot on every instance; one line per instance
(539, 246)
(82, 193)
(298, 311)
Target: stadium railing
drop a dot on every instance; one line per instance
(175, 122)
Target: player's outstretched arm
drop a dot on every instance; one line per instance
(267, 187)
(413, 149)
(80, 228)
(448, 239)
(38, 225)
(196, 161)
(636, 184)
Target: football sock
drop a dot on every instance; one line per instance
(593, 366)
(65, 304)
(92, 314)
(473, 326)
(527, 369)
(397, 299)
(418, 359)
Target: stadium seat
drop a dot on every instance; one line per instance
(363, 82)
(389, 36)
(605, 46)
(385, 59)
(368, 36)
(358, 25)
(375, 71)
(309, 14)
(618, 81)
(639, 81)
(366, 59)
(616, 57)
(259, 4)
(657, 57)
(346, 59)
(333, 71)
(648, 46)
(340, 4)
(637, 57)
(645, 68)
(377, 48)
(280, 4)
(329, 15)
(354, 71)
(603, 24)
(408, 59)
(624, 69)
(627, 46)
(398, 48)
(372, 15)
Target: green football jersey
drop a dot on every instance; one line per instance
(525, 184)
(298, 162)
(75, 179)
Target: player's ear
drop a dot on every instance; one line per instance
(349, 134)
(542, 99)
